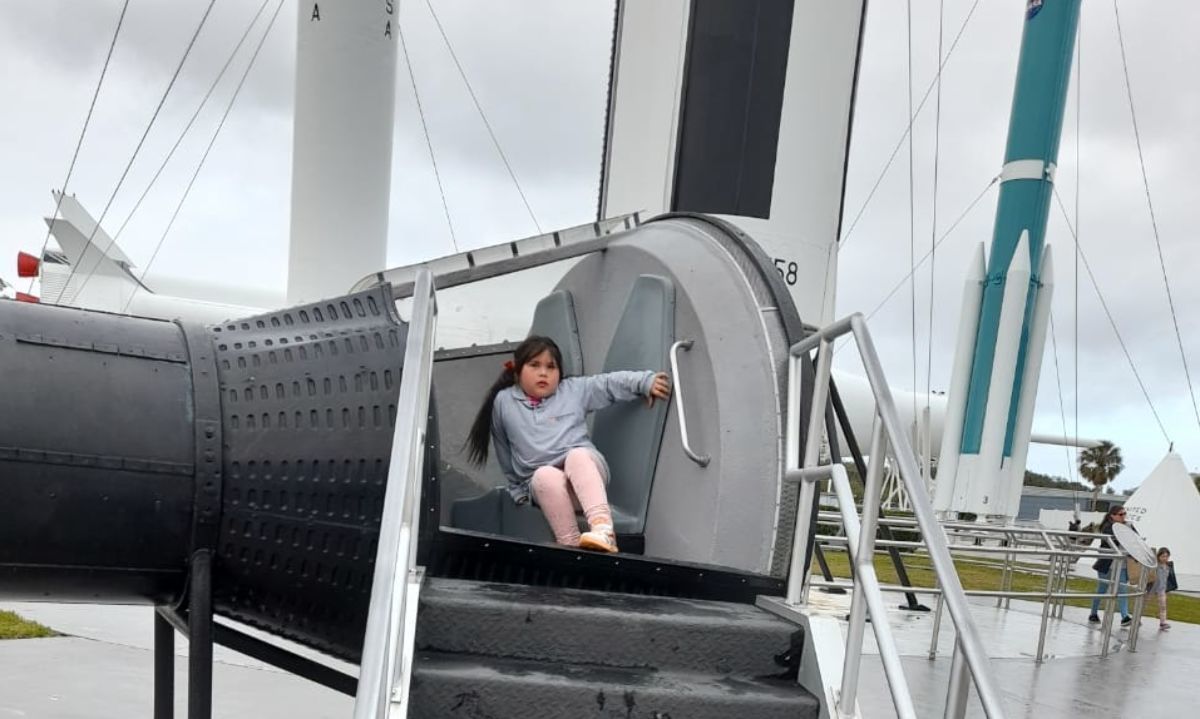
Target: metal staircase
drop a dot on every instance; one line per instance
(506, 651)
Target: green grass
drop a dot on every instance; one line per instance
(978, 576)
(14, 627)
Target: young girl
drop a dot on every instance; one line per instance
(1162, 584)
(536, 419)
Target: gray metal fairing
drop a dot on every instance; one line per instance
(728, 512)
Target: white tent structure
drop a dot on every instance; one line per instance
(1166, 511)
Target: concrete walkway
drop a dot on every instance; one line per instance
(1072, 681)
(104, 667)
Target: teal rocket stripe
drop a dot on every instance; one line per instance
(1043, 74)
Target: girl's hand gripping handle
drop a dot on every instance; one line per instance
(660, 389)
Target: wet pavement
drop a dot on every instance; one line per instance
(1073, 680)
(104, 667)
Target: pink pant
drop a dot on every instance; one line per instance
(562, 492)
(1162, 608)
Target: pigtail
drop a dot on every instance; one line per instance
(481, 429)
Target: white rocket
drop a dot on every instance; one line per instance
(988, 482)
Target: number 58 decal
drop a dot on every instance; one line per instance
(787, 270)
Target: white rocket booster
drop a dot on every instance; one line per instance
(981, 492)
(986, 483)
(1013, 476)
(956, 398)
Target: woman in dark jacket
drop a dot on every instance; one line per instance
(1103, 567)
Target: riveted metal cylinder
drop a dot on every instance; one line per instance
(126, 444)
(96, 456)
(308, 399)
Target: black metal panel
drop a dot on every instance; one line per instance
(462, 554)
(735, 68)
(308, 397)
(96, 456)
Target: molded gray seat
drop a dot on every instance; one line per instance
(627, 434)
(554, 317)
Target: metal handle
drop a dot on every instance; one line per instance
(700, 459)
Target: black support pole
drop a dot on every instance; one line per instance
(884, 531)
(164, 668)
(200, 633)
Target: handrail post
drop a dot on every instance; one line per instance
(866, 554)
(935, 538)
(867, 583)
(956, 692)
(1051, 574)
(937, 619)
(797, 578)
(1135, 629)
(386, 656)
(1110, 603)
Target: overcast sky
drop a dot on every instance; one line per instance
(539, 68)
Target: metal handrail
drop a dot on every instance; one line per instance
(700, 459)
(984, 529)
(1047, 550)
(386, 665)
(969, 652)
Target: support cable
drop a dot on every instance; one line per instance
(207, 150)
(912, 226)
(1079, 163)
(1062, 410)
(237, 48)
(87, 121)
(908, 128)
(937, 244)
(179, 68)
(425, 129)
(1153, 220)
(1120, 340)
(937, 136)
(953, 226)
(491, 133)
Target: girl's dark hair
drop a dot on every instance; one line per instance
(481, 428)
(1161, 551)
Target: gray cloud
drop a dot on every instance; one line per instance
(1115, 227)
(540, 67)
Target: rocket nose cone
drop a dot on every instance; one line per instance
(977, 270)
(1046, 273)
(1020, 260)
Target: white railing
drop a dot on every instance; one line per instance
(387, 655)
(969, 661)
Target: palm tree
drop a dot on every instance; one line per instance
(1100, 465)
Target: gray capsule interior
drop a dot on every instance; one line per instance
(623, 307)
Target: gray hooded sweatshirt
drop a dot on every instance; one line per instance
(528, 434)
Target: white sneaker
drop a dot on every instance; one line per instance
(599, 539)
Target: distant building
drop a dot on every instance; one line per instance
(1035, 499)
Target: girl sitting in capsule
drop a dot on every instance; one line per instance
(537, 421)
